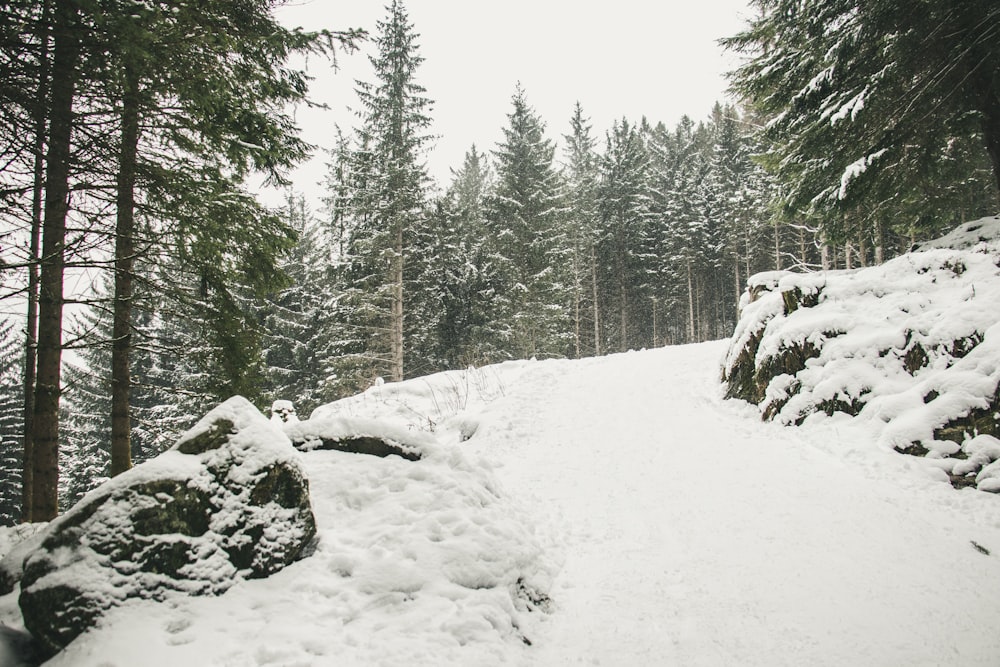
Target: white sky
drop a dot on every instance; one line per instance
(629, 58)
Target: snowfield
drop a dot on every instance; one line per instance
(612, 511)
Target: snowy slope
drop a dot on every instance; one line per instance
(668, 526)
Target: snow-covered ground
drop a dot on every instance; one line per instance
(664, 524)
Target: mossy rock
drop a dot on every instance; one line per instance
(180, 523)
(980, 421)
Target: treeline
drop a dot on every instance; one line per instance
(640, 237)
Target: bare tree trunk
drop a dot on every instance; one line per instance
(397, 306)
(31, 318)
(690, 303)
(45, 424)
(879, 241)
(576, 297)
(121, 347)
(624, 314)
(654, 323)
(777, 247)
(593, 279)
(847, 255)
(737, 285)
(803, 260)
(746, 256)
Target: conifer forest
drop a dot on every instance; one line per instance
(143, 280)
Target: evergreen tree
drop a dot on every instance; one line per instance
(11, 424)
(528, 257)
(450, 319)
(624, 243)
(390, 190)
(581, 174)
(293, 317)
(865, 101)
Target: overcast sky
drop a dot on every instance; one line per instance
(627, 58)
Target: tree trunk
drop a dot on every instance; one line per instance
(803, 259)
(654, 323)
(690, 303)
(777, 247)
(623, 312)
(45, 425)
(737, 284)
(121, 348)
(31, 318)
(879, 241)
(576, 296)
(397, 306)
(593, 281)
(826, 262)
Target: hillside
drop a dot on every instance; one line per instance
(651, 521)
(621, 511)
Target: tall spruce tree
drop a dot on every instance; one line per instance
(624, 244)
(528, 254)
(294, 316)
(392, 185)
(581, 174)
(451, 322)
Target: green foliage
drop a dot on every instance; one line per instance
(875, 108)
(378, 207)
(295, 316)
(530, 300)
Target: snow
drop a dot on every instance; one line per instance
(859, 166)
(610, 511)
(866, 321)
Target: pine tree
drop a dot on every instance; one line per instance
(581, 174)
(293, 317)
(390, 189)
(864, 101)
(450, 323)
(624, 242)
(11, 424)
(527, 261)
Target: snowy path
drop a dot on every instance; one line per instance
(694, 535)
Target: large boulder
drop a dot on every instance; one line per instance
(228, 501)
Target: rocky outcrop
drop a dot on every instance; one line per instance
(228, 501)
(911, 343)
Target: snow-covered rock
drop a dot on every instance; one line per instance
(16, 542)
(358, 436)
(227, 502)
(283, 411)
(913, 343)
